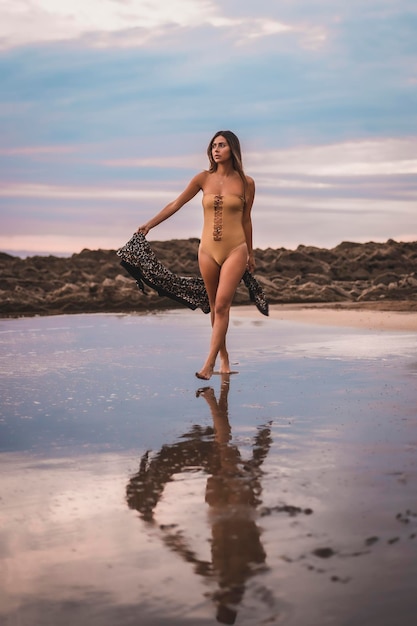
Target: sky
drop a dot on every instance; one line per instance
(107, 108)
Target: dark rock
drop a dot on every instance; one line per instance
(93, 280)
(324, 553)
(371, 540)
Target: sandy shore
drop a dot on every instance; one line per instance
(326, 315)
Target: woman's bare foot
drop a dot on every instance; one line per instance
(224, 367)
(224, 362)
(205, 373)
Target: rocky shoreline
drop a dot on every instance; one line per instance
(369, 275)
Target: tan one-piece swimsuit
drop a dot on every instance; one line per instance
(223, 225)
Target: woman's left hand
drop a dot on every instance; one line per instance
(251, 263)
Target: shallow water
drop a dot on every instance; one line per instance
(133, 494)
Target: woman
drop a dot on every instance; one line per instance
(225, 249)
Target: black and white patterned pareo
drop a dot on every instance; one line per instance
(141, 263)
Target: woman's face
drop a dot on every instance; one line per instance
(220, 150)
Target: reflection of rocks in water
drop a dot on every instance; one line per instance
(233, 493)
(322, 554)
(292, 511)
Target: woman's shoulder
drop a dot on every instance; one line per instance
(198, 180)
(250, 182)
(202, 176)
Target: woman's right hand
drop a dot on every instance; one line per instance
(143, 229)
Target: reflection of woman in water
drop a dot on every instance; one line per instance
(233, 492)
(226, 244)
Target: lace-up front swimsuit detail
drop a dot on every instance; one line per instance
(223, 228)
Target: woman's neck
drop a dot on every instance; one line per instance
(225, 170)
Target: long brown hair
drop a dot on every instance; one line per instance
(234, 145)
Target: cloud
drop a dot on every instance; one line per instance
(28, 245)
(379, 157)
(34, 151)
(139, 21)
(186, 162)
(103, 192)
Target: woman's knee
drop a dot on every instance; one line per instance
(222, 307)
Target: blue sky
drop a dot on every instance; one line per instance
(107, 106)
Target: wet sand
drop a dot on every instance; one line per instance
(340, 315)
(134, 495)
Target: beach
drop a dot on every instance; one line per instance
(281, 494)
(371, 317)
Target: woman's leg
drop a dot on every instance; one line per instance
(221, 284)
(210, 271)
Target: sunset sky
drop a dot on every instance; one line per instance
(107, 107)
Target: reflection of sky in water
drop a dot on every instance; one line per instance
(83, 399)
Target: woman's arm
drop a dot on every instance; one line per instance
(189, 192)
(247, 220)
